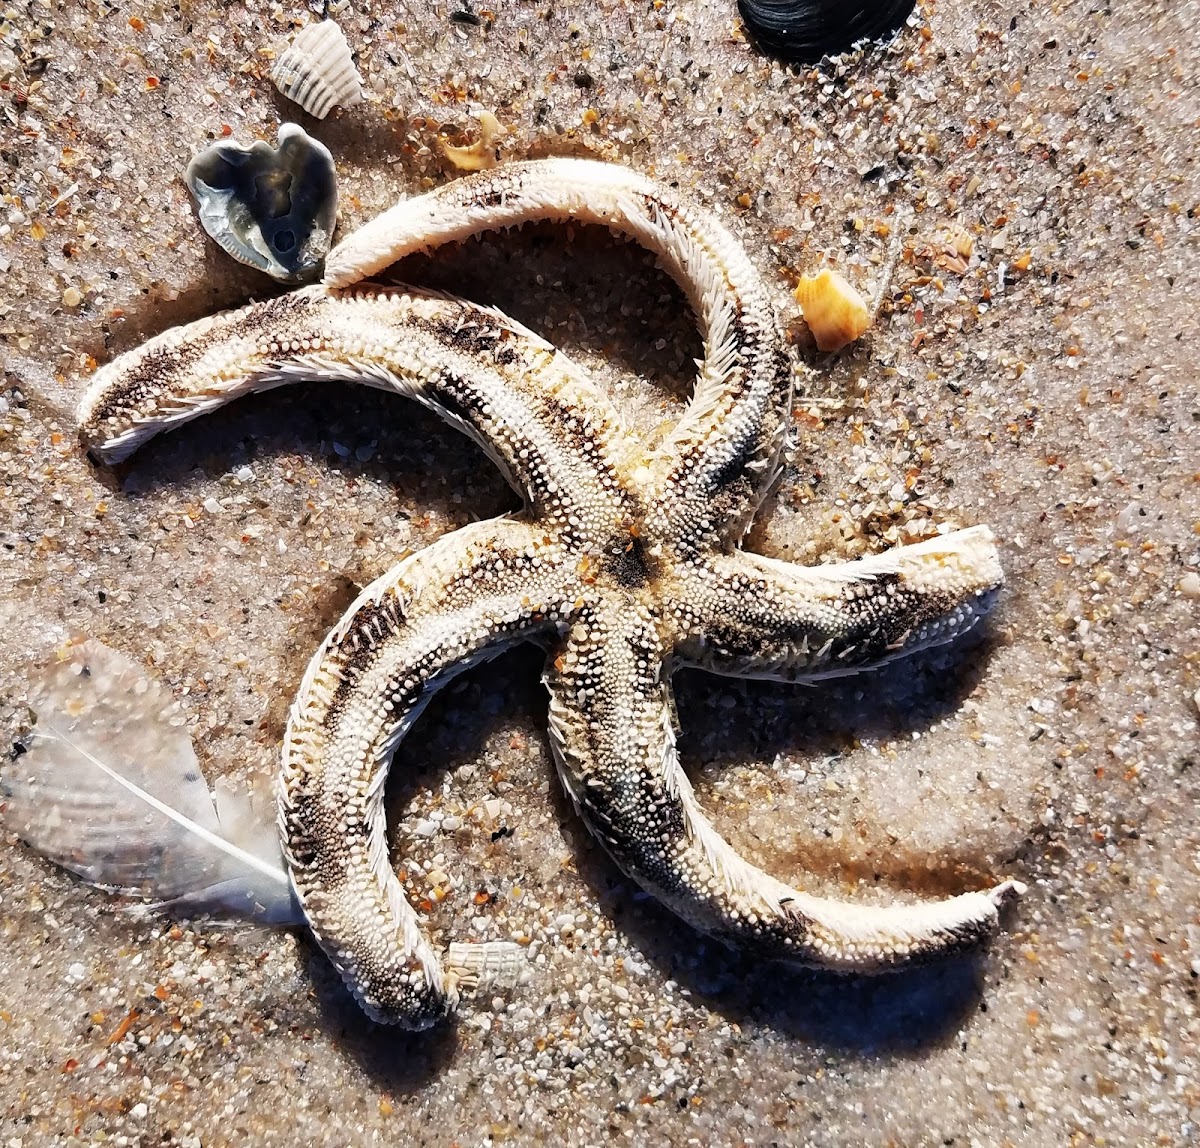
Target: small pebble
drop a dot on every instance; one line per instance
(72, 297)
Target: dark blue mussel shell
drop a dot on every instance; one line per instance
(804, 31)
(273, 208)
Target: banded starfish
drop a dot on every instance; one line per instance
(624, 564)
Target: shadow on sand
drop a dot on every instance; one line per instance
(898, 1013)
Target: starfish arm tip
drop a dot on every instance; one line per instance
(1008, 892)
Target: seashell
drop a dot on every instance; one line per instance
(960, 239)
(482, 153)
(835, 313)
(803, 31)
(949, 251)
(317, 71)
(957, 246)
(273, 208)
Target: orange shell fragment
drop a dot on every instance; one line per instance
(834, 311)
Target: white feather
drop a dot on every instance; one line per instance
(110, 788)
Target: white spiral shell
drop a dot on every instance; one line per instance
(317, 72)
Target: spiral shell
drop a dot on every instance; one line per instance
(317, 71)
(835, 313)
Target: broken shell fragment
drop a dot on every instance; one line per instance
(803, 31)
(317, 71)
(835, 313)
(482, 153)
(273, 208)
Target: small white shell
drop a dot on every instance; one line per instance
(317, 71)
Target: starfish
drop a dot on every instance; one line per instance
(624, 564)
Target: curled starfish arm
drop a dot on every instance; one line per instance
(463, 599)
(722, 456)
(615, 748)
(551, 431)
(745, 614)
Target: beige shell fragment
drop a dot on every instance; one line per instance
(482, 153)
(317, 71)
(960, 239)
(835, 313)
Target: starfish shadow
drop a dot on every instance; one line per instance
(411, 449)
(399, 1061)
(895, 1012)
(898, 1012)
(827, 717)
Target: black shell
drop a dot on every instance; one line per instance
(803, 31)
(273, 208)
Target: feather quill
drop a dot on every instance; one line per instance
(109, 787)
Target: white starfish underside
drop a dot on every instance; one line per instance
(623, 564)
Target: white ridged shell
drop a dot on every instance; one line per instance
(317, 71)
